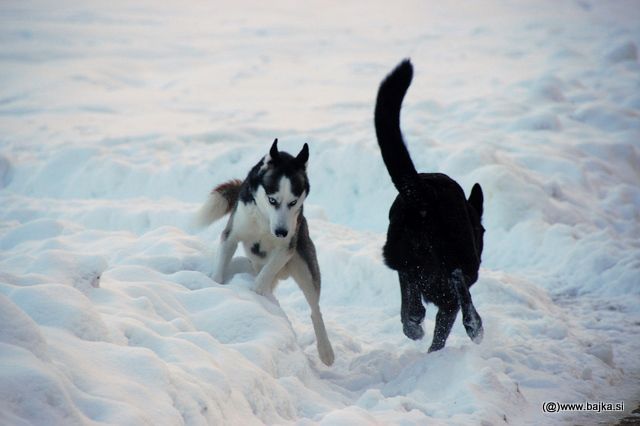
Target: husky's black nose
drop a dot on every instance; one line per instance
(281, 232)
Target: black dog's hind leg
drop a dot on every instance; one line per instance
(444, 322)
(412, 311)
(470, 317)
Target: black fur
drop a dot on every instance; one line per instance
(255, 249)
(287, 165)
(435, 235)
(307, 250)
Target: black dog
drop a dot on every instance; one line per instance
(435, 235)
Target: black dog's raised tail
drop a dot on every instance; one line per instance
(387, 121)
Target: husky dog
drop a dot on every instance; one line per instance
(435, 235)
(266, 217)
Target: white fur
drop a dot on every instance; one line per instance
(256, 223)
(282, 216)
(213, 209)
(250, 226)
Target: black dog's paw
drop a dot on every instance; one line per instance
(413, 330)
(479, 335)
(473, 325)
(435, 347)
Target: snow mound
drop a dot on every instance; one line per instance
(117, 120)
(626, 51)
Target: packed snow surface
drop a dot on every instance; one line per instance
(118, 117)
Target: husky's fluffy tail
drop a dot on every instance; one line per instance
(387, 121)
(221, 201)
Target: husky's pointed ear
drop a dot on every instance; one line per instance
(273, 152)
(303, 156)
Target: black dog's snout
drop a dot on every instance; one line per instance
(281, 232)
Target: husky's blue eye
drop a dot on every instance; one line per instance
(273, 201)
(293, 203)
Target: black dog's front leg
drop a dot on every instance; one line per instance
(412, 311)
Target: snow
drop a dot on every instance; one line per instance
(117, 118)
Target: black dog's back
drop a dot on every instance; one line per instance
(435, 235)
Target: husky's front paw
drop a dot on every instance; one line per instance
(263, 287)
(218, 277)
(265, 291)
(262, 291)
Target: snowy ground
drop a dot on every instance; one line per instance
(117, 117)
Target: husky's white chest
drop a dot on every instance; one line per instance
(252, 229)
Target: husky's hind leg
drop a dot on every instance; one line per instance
(228, 246)
(223, 258)
(310, 285)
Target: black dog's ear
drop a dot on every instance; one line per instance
(476, 199)
(273, 152)
(303, 156)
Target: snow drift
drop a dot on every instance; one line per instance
(116, 119)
